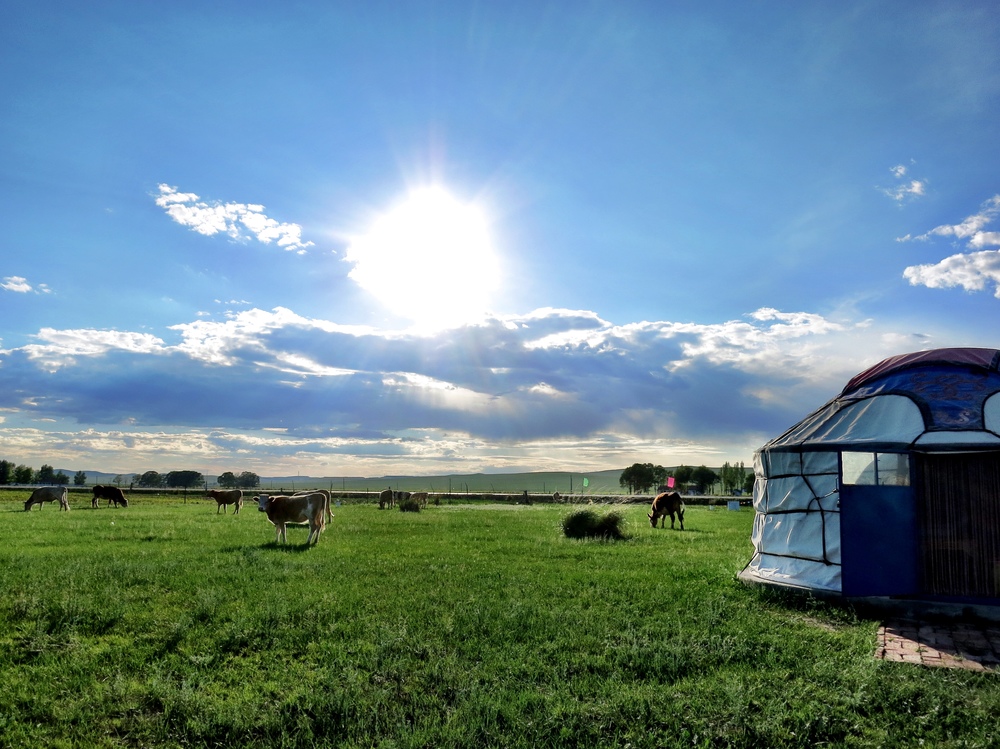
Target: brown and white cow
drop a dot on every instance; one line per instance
(665, 504)
(303, 508)
(385, 498)
(113, 494)
(420, 498)
(226, 497)
(48, 494)
(325, 493)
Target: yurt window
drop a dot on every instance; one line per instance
(875, 469)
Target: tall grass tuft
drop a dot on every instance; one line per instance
(589, 523)
(409, 505)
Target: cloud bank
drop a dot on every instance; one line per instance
(272, 389)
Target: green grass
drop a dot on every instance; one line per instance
(165, 624)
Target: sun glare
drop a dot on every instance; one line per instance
(428, 259)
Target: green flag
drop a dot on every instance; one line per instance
(586, 482)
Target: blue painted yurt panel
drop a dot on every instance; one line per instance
(879, 540)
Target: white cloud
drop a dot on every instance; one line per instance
(237, 220)
(908, 189)
(971, 227)
(972, 272)
(20, 285)
(63, 347)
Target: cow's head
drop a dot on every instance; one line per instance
(123, 501)
(262, 502)
(652, 519)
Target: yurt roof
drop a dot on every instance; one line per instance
(931, 400)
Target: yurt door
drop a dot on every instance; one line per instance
(959, 499)
(878, 526)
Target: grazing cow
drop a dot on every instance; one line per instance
(113, 494)
(48, 494)
(226, 497)
(665, 504)
(420, 498)
(325, 493)
(302, 508)
(398, 497)
(385, 498)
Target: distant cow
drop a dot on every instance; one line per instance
(665, 504)
(398, 497)
(303, 508)
(420, 498)
(113, 494)
(226, 497)
(325, 493)
(48, 494)
(385, 498)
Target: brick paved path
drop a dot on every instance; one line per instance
(948, 645)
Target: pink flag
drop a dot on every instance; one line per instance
(670, 482)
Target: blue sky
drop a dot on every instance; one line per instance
(359, 239)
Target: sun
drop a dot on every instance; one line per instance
(429, 259)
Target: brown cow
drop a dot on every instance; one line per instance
(226, 497)
(304, 508)
(665, 504)
(113, 494)
(48, 494)
(420, 498)
(385, 498)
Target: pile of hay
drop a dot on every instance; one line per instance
(589, 523)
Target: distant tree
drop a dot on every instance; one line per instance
(24, 475)
(6, 471)
(641, 477)
(46, 475)
(248, 480)
(185, 479)
(80, 478)
(748, 483)
(732, 477)
(151, 480)
(660, 475)
(227, 480)
(703, 478)
(118, 480)
(60, 478)
(682, 476)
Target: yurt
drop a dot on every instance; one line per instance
(892, 489)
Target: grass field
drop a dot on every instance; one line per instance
(164, 624)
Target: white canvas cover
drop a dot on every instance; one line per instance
(796, 533)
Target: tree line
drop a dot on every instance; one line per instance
(641, 478)
(22, 474)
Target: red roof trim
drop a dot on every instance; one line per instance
(984, 358)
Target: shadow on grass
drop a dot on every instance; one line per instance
(289, 548)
